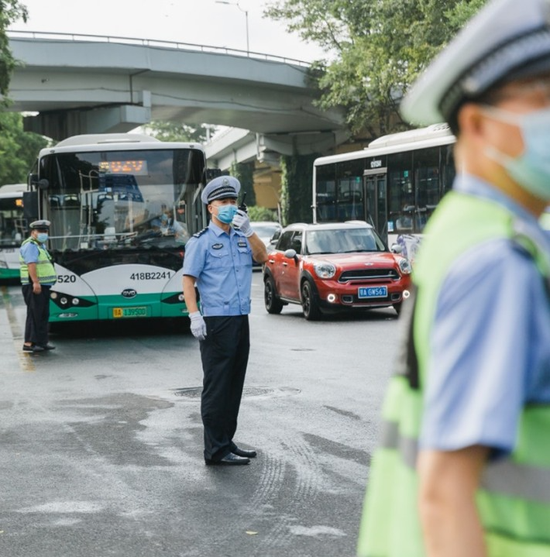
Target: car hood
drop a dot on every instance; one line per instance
(354, 260)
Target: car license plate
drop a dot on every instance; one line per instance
(129, 312)
(373, 292)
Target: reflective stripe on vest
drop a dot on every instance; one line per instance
(514, 496)
(45, 270)
(506, 477)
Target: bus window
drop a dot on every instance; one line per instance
(349, 176)
(326, 193)
(401, 192)
(426, 181)
(448, 171)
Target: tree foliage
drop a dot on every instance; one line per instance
(296, 194)
(171, 131)
(10, 11)
(18, 149)
(374, 50)
(244, 172)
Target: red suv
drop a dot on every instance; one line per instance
(331, 267)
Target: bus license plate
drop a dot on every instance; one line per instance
(373, 292)
(129, 312)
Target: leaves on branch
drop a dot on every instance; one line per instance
(374, 50)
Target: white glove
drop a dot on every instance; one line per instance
(242, 222)
(198, 326)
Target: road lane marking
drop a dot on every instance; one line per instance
(25, 360)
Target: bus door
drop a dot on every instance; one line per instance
(376, 200)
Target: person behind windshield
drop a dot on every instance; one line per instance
(167, 225)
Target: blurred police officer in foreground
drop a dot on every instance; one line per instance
(464, 466)
(37, 277)
(219, 260)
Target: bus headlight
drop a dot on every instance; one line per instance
(324, 270)
(405, 266)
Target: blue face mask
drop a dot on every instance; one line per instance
(531, 170)
(226, 213)
(42, 237)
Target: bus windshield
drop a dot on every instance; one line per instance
(126, 198)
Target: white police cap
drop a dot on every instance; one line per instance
(40, 225)
(221, 187)
(506, 40)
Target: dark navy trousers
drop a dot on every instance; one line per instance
(224, 355)
(38, 314)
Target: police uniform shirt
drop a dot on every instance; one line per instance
(222, 266)
(490, 348)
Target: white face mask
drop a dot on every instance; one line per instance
(531, 169)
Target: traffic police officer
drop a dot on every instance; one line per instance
(219, 261)
(37, 277)
(464, 466)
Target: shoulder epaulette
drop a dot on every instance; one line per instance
(200, 233)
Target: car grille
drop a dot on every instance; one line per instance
(369, 274)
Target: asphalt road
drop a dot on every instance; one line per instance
(101, 439)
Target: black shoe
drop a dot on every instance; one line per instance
(33, 348)
(245, 453)
(48, 346)
(228, 460)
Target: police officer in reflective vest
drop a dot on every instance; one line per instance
(219, 260)
(37, 277)
(464, 464)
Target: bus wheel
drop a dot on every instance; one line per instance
(272, 303)
(310, 306)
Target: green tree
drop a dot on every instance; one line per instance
(374, 50)
(10, 11)
(170, 131)
(18, 149)
(244, 172)
(296, 194)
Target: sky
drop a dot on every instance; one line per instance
(206, 22)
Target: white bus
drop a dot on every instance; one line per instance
(395, 183)
(122, 207)
(13, 228)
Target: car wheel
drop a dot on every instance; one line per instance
(309, 304)
(272, 303)
(397, 308)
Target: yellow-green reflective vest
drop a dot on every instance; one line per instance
(45, 269)
(514, 496)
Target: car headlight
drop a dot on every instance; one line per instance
(324, 270)
(405, 266)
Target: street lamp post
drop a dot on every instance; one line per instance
(246, 19)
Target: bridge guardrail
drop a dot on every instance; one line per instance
(154, 43)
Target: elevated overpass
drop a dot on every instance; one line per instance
(91, 84)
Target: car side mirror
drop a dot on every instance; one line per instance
(290, 253)
(396, 248)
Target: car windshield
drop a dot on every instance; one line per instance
(265, 230)
(349, 240)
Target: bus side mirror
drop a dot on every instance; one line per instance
(212, 173)
(30, 205)
(43, 184)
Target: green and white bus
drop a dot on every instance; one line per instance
(13, 228)
(395, 183)
(122, 207)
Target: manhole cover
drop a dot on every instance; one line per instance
(195, 392)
